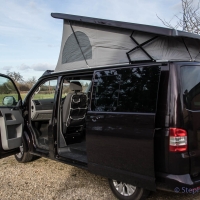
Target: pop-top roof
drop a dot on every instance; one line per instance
(92, 42)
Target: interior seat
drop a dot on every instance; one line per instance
(74, 110)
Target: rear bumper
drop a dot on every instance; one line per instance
(177, 183)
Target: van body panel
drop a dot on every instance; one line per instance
(162, 113)
(161, 142)
(190, 93)
(179, 162)
(161, 139)
(122, 141)
(194, 142)
(175, 106)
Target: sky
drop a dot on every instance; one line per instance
(30, 38)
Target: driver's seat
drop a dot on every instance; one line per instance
(74, 111)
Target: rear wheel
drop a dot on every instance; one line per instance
(124, 191)
(23, 156)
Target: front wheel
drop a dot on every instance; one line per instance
(124, 191)
(23, 156)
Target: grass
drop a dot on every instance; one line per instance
(23, 95)
(44, 96)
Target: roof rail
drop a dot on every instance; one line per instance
(47, 72)
(127, 25)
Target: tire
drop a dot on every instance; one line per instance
(24, 156)
(125, 191)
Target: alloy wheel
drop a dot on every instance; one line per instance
(124, 188)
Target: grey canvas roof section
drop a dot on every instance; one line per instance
(126, 25)
(91, 42)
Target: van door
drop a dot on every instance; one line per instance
(120, 124)
(11, 120)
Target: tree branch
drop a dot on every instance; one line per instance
(190, 20)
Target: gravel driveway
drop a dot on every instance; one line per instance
(46, 179)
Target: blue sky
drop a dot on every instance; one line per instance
(30, 38)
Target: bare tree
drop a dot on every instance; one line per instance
(16, 76)
(189, 20)
(31, 81)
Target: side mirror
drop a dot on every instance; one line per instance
(9, 101)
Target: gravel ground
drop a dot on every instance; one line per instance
(46, 179)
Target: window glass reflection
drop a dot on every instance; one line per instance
(126, 90)
(190, 79)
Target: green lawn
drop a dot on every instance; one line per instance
(23, 95)
(37, 96)
(43, 96)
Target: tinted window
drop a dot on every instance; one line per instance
(126, 90)
(190, 79)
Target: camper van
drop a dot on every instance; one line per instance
(123, 102)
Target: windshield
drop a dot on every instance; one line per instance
(190, 78)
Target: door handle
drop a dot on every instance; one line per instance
(94, 119)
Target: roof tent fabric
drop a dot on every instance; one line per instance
(72, 51)
(93, 45)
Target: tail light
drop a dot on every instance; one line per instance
(177, 140)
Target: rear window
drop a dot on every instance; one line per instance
(190, 78)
